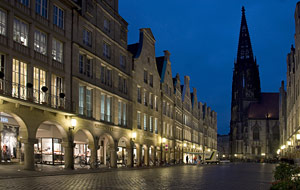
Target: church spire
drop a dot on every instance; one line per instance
(245, 49)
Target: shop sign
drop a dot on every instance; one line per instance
(4, 119)
(166, 147)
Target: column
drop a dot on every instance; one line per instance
(129, 157)
(146, 155)
(113, 157)
(68, 154)
(139, 155)
(93, 158)
(154, 155)
(29, 154)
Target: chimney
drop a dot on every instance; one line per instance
(186, 80)
(167, 55)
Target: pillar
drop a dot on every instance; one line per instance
(146, 156)
(139, 155)
(69, 154)
(93, 158)
(113, 157)
(129, 157)
(29, 154)
(154, 155)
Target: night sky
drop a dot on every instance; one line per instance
(202, 37)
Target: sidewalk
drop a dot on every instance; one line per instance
(8, 171)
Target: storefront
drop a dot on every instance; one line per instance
(81, 149)
(11, 149)
(49, 151)
(122, 154)
(135, 156)
(193, 157)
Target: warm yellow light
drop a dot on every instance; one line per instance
(194, 146)
(278, 151)
(223, 155)
(263, 154)
(282, 147)
(73, 122)
(133, 135)
(235, 155)
(200, 148)
(289, 143)
(184, 144)
(208, 150)
(298, 136)
(164, 140)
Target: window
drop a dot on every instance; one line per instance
(145, 98)
(2, 60)
(168, 128)
(58, 16)
(138, 120)
(108, 77)
(145, 76)
(155, 103)
(139, 97)
(145, 122)
(164, 128)
(57, 50)
(151, 123)
(40, 42)
(124, 86)
(19, 79)
(150, 100)
(39, 80)
(89, 102)
(102, 74)
(108, 109)
(120, 113)
(256, 134)
(87, 37)
(57, 87)
(2, 22)
(81, 100)
(155, 125)
(124, 114)
(24, 2)
(20, 32)
(123, 61)
(106, 25)
(102, 117)
(85, 65)
(41, 7)
(151, 80)
(106, 50)
(164, 107)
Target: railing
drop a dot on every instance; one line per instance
(21, 48)
(19, 91)
(57, 64)
(40, 57)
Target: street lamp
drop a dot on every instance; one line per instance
(298, 136)
(133, 135)
(289, 143)
(164, 140)
(73, 124)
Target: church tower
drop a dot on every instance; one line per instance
(245, 87)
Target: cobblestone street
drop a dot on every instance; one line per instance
(227, 176)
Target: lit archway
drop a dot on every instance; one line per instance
(49, 149)
(106, 142)
(12, 132)
(122, 153)
(83, 139)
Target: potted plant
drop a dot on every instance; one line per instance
(44, 89)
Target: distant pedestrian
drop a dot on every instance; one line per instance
(187, 159)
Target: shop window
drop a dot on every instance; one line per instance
(9, 142)
(49, 151)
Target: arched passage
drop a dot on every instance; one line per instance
(84, 145)
(13, 130)
(49, 149)
(123, 152)
(106, 146)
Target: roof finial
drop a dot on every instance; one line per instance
(243, 9)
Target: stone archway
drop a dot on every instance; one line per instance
(124, 152)
(84, 147)
(107, 150)
(13, 135)
(50, 146)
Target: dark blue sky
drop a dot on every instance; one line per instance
(202, 37)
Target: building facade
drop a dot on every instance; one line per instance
(71, 89)
(254, 125)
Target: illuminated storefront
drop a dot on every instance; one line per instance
(49, 151)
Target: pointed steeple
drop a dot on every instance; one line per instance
(245, 49)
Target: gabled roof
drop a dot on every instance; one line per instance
(267, 107)
(149, 31)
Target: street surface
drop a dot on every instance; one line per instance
(231, 176)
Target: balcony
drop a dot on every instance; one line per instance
(31, 95)
(21, 48)
(40, 57)
(3, 40)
